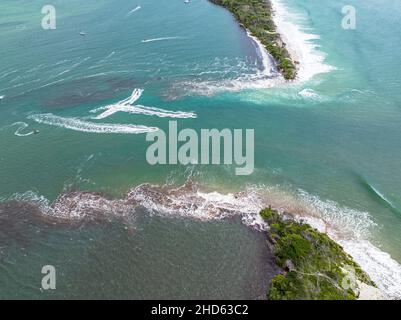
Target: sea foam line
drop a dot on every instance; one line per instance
(22, 126)
(299, 44)
(350, 228)
(269, 65)
(90, 127)
(127, 105)
(133, 10)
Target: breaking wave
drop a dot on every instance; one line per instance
(300, 44)
(310, 94)
(267, 76)
(85, 126)
(348, 227)
(160, 39)
(380, 196)
(21, 126)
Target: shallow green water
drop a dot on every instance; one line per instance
(340, 143)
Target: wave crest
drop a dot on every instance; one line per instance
(350, 228)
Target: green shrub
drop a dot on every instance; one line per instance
(256, 16)
(312, 262)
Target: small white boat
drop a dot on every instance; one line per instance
(82, 33)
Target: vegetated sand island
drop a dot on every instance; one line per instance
(256, 16)
(314, 267)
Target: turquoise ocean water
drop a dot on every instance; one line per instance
(327, 147)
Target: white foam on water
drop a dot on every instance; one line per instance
(310, 94)
(72, 67)
(188, 201)
(102, 61)
(382, 196)
(84, 205)
(110, 55)
(21, 127)
(161, 39)
(90, 127)
(341, 222)
(379, 265)
(264, 78)
(127, 106)
(32, 197)
(350, 228)
(299, 43)
(133, 10)
(2, 97)
(269, 68)
(7, 73)
(75, 206)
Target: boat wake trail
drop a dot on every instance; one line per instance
(161, 39)
(127, 105)
(379, 196)
(253, 77)
(85, 126)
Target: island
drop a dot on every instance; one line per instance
(256, 16)
(314, 267)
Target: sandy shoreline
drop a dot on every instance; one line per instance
(300, 45)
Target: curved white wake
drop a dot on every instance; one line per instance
(21, 127)
(134, 10)
(85, 126)
(127, 105)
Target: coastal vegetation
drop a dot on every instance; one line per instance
(257, 17)
(314, 266)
